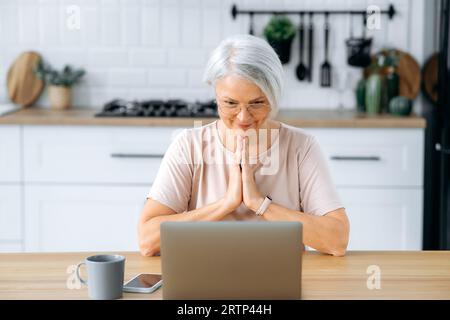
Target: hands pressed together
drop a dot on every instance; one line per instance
(242, 186)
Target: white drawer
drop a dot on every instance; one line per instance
(10, 212)
(373, 157)
(10, 156)
(9, 247)
(79, 154)
(82, 218)
(384, 219)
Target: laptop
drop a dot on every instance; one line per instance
(231, 260)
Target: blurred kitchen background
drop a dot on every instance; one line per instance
(135, 49)
(75, 166)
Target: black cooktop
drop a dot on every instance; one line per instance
(158, 108)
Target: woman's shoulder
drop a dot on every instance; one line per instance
(296, 136)
(194, 139)
(300, 142)
(198, 132)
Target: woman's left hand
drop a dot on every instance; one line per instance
(252, 198)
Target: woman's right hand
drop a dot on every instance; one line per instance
(233, 196)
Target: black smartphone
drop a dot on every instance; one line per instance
(143, 283)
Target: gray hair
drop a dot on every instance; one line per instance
(252, 58)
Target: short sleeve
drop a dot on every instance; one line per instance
(172, 185)
(318, 194)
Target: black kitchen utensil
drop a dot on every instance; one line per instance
(301, 70)
(358, 49)
(252, 27)
(310, 47)
(325, 70)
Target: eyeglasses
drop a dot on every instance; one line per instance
(233, 108)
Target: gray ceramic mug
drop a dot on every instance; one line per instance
(105, 276)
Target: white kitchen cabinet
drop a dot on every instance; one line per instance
(374, 157)
(83, 187)
(10, 214)
(10, 153)
(384, 219)
(379, 176)
(10, 188)
(84, 154)
(11, 246)
(82, 218)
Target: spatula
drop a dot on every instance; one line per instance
(301, 70)
(325, 70)
(310, 48)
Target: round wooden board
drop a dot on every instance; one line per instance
(24, 87)
(410, 76)
(430, 78)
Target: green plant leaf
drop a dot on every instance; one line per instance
(66, 77)
(279, 28)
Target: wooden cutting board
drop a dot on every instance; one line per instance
(430, 78)
(24, 87)
(410, 76)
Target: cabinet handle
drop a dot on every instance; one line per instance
(137, 155)
(442, 150)
(356, 158)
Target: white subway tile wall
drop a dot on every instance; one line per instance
(157, 48)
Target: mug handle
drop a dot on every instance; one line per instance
(78, 273)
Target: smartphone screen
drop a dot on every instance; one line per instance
(144, 280)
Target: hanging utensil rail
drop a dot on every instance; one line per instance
(390, 12)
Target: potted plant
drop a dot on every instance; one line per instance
(392, 79)
(374, 86)
(384, 66)
(280, 32)
(59, 83)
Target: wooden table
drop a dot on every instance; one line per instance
(404, 275)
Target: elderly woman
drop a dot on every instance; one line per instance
(246, 165)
